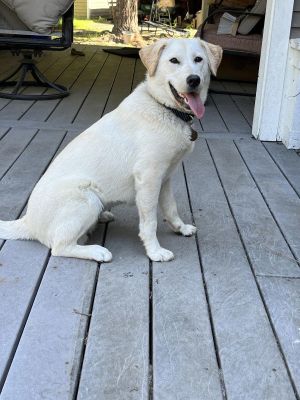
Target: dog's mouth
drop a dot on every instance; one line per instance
(190, 101)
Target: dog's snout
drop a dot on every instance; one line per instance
(193, 81)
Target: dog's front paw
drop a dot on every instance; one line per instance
(101, 254)
(188, 230)
(160, 254)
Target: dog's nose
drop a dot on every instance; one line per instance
(193, 81)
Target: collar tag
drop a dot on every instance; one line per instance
(194, 135)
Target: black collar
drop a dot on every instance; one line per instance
(185, 117)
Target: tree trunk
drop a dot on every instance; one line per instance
(126, 17)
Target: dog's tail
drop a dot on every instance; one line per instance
(14, 229)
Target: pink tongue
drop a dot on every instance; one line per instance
(195, 104)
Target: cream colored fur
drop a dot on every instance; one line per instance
(127, 156)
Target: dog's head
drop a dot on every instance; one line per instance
(179, 72)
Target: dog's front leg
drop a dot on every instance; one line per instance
(169, 209)
(147, 193)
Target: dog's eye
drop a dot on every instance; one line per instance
(198, 59)
(174, 61)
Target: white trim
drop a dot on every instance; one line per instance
(289, 122)
(272, 69)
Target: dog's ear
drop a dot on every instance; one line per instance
(214, 54)
(150, 55)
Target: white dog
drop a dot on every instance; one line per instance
(127, 155)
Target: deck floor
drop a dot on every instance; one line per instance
(220, 322)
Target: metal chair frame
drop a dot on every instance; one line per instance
(32, 46)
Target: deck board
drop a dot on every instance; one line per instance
(12, 146)
(41, 110)
(233, 118)
(212, 120)
(220, 322)
(283, 301)
(54, 334)
(247, 346)
(116, 360)
(93, 107)
(14, 109)
(257, 226)
(282, 200)
(184, 360)
(287, 161)
(66, 110)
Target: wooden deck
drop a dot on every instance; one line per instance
(220, 322)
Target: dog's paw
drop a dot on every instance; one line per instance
(161, 255)
(106, 216)
(188, 230)
(101, 254)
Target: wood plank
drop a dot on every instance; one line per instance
(16, 108)
(184, 359)
(251, 362)
(116, 360)
(231, 115)
(21, 268)
(283, 301)
(41, 110)
(47, 360)
(67, 109)
(139, 74)
(246, 106)
(244, 103)
(288, 161)
(212, 120)
(280, 196)
(3, 132)
(19, 181)
(257, 227)
(12, 145)
(44, 64)
(19, 283)
(93, 106)
(122, 84)
(248, 88)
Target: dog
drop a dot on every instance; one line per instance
(128, 155)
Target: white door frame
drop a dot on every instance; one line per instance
(272, 69)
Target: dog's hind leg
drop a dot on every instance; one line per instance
(74, 221)
(90, 252)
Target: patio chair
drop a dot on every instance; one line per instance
(244, 43)
(26, 33)
(161, 11)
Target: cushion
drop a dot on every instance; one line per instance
(9, 20)
(250, 43)
(39, 15)
(249, 22)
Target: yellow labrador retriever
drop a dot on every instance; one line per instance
(126, 156)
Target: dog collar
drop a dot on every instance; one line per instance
(185, 117)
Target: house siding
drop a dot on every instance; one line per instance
(81, 8)
(295, 30)
(99, 7)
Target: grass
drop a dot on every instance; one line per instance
(98, 32)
